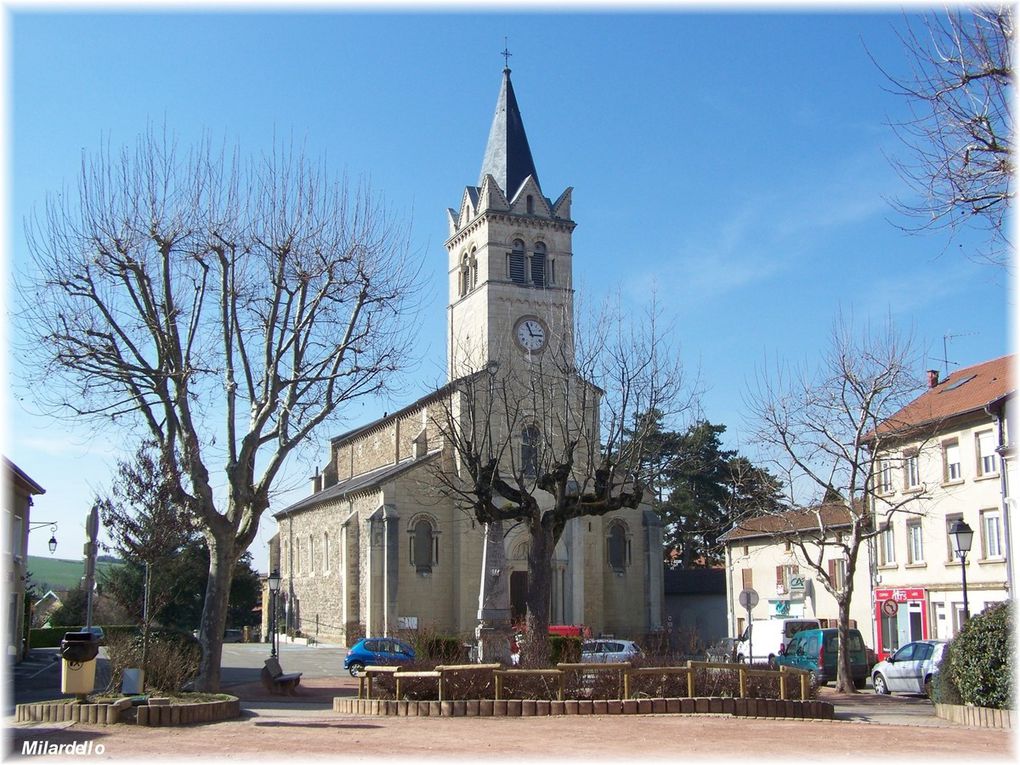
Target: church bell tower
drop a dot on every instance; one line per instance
(510, 272)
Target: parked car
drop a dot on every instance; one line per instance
(97, 632)
(722, 650)
(377, 651)
(233, 636)
(607, 650)
(910, 669)
(817, 651)
(768, 638)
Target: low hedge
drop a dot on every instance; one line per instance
(982, 659)
(50, 637)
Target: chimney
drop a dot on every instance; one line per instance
(316, 482)
(933, 378)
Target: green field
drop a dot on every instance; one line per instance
(59, 574)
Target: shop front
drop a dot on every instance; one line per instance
(901, 615)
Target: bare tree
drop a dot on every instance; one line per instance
(544, 440)
(229, 308)
(960, 134)
(825, 432)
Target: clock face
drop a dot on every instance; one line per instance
(530, 334)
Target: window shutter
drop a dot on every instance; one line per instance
(832, 571)
(779, 575)
(746, 576)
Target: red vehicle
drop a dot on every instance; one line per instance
(559, 630)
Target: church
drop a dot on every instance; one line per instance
(385, 543)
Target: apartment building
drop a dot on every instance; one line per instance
(955, 455)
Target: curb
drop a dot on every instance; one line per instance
(771, 708)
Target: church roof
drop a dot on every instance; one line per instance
(507, 154)
(370, 480)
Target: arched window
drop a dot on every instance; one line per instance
(538, 265)
(325, 551)
(515, 269)
(618, 547)
(424, 544)
(529, 450)
(463, 276)
(531, 205)
(473, 275)
(311, 555)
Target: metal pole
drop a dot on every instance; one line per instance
(963, 571)
(272, 624)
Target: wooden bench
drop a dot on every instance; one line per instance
(276, 680)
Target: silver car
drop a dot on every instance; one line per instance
(607, 650)
(910, 669)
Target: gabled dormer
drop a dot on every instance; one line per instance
(529, 200)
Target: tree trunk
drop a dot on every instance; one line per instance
(214, 614)
(844, 674)
(535, 651)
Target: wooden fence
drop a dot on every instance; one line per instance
(791, 680)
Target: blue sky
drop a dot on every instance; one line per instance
(736, 161)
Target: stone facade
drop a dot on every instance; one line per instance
(383, 544)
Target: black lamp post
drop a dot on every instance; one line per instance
(274, 589)
(963, 537)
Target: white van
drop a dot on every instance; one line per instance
(769, 637)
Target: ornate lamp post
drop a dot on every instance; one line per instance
(963, 537)
(274, 590)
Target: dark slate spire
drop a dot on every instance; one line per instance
(507, 155)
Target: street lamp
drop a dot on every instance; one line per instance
(53, 533)
(274, 589)
(963, 537)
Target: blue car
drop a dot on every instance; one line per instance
(377, 651)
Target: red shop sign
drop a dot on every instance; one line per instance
(900, 594)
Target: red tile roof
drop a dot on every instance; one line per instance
(964, 391)
(824, 516)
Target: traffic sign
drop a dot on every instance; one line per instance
(890, 607)
(748, 598)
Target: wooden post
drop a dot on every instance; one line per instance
(368, 688)
(499, 684)
(782, 683)
(440, 685)
(743, 683)
(690, 681)
(396, 691)
(626, 685)
(361, 685)
(561, 693)
(803, 686)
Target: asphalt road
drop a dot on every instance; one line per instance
(38, 678)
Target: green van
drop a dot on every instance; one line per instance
(815, 651)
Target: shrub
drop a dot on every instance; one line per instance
(173, 658)
(943, 689)
(565, 649)
(982, 661)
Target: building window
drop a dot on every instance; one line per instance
(297, 556)
(837, 573)
(886, 546)
(950, 520)
(531, 204)
(618, 547)
(991, 533)
(538, 265)
(473, 271)
(951, 461)
(911, 471)
(462, 276)
(987, 459)
(325, 551)
(529, 451)
(915, 542)
(885, 483)
(784, 578)
(747, 578)
(311, 555)
(515, 267)
(424, 545)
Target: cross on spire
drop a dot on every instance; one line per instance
(506, 55)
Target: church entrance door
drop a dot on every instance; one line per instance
(518, 596)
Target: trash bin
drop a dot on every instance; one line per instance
(78, 652)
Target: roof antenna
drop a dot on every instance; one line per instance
(945, 348)
(506, 55)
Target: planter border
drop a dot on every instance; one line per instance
(110, 714)
(976, 717)
(774, 708)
